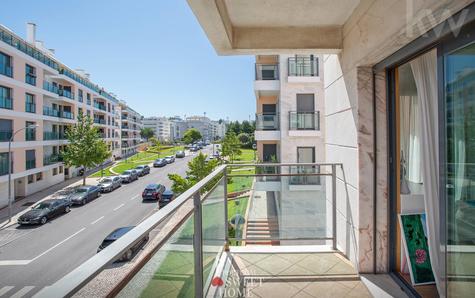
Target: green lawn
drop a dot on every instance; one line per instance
(241, 183)
(247, 155)
(140, 158)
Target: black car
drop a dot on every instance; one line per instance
(47, 209)
(84, 194)
(153, 192)
(167, 196)
(116, 234)
(180, 154)
(129, 176)
(142, 170)
(161, 162)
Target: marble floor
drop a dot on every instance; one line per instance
(295, 275)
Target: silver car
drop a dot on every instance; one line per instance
(170, 159)
(109, 184)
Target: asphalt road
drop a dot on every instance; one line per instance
(38, 256)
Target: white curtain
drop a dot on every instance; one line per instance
(424, 69)
(411, 131)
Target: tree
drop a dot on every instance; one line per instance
(191, 135)
(198, 168)
(147, 133)
(244, 138)
(85, 149)
(246, 127)
(231, 146)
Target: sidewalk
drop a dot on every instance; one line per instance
(21, 206)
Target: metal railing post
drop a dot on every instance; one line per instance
(226, 231)
(334, 205)
(198, 245)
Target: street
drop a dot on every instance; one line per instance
(37, 256)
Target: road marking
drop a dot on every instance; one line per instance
(118, 207)
(97, 220)
(134, 197)
(22, 292)
(14, 263)
(50, 249)
(5, 289)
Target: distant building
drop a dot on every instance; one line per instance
(161, 127)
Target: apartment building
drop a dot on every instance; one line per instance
(289, 101)
(131, 124)
(162, 127)
(210, 130)
(177, 128)
(37, 89)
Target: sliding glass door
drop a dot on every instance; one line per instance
(459, 72)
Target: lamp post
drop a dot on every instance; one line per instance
(10, 168)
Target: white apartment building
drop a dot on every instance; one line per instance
(161, 126)
(210, 130)
(177, 128)
(37, 89)
(131, 124)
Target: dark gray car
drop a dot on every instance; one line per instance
(129, 176)
(109, 184)
(43, 211)
(83, 194)
(142, 170)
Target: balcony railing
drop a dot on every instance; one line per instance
(30, 134)
(4, 166)
(6, 71)
(267, 122)
(99, 106)
(66, 93)
(5, 135)
(30, 79)
(304, 120)
(6, 103)
(49, 111)
(66, 115)
(50, 87)
(30, 107)
(30, 164)
(53, 135)
(267, 71)
(203, 227)
(99, 121)
(304, 179)
(303, 66)
(51, 159)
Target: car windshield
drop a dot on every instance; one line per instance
(127, 173)
(139, 167)
(42, 206)
(106, 243)
(81, 190)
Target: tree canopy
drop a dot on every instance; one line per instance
(147, 133)
(191, 135)
(85, 149)
(231, 146)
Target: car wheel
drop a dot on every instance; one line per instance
(84, 201)
(67, 209)
(43, 220)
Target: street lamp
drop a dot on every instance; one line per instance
(33, 126)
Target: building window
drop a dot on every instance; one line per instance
(30, 133)
(88, 96)
(30, 105)
(61, 169)
(31, 179)
(3, 163)
(6, 129)
(55, 171)
(303, 66)
(88, 113)
(39, 176)
(80, 95)
(30, 75)
(6, 67)
(30, 157)
(6, 101)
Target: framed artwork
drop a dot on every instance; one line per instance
(416, 248)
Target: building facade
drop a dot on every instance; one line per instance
(161, 126)
(37, 89)
(131, 124)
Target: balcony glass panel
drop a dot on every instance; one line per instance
(303, 66)
(6, 101)
(30, 164)
(5, 135)
(267, 71)
(50, 87)
(267, 122)
(49, 111)
(304, 120)
(51, 159)
(6, 65)
(30, 107)
(66, 115)
(66, 93)
(303, 178)
(3, 163)
(30, 134)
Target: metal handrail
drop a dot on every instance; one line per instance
(76, 279)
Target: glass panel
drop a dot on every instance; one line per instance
(170, 271)
(460, 171)
(213, 233)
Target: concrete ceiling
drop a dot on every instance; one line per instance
(289, 13)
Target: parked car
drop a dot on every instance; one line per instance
(142, 170)
(158, 163)
(167, 196)
(116, 234)
(47, 209)
(84, 194)
(109, 184)
(153, 192)
(170, 159)
(129, 176)
(180, 154)
(194, 149)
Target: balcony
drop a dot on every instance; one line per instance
(51, 159)
(49, 111)
(6, 103)
(6, 71)
(66, 93)
(213, 243)
(30, 107)
(30, 79)
(99, 121)
(267, 72)
(303, 70)
(53, 135)
(267, 80)
(304, 123)
(267, 127)
(50, 87)
(5, 135)
(100, 106)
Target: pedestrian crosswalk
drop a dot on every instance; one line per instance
(19, 291)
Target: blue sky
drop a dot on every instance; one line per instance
(152, 53)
